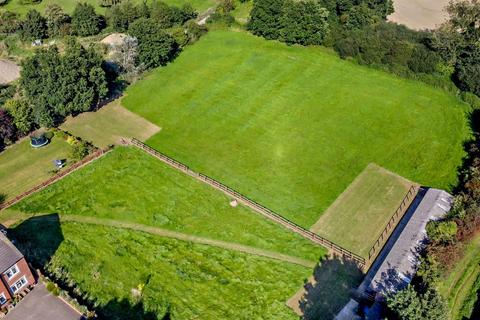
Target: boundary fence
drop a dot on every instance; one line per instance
(252, 204)
(93, 156)
(392, 223)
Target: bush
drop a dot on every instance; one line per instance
(80, 149)
(441, 231)
(52, 288)
(85, 22)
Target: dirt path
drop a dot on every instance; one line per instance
(188, 237)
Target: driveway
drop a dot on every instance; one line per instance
(40, 304)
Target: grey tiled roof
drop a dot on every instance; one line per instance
(9, 254)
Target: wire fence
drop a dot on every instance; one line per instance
(93, 156)
(254, 205)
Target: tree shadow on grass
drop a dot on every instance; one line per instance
(38, 238)
(335, 280)
(3, 197)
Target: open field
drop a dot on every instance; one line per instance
(134, 275)
(358, 216)
(419, 14)
(291, 127)
(107, 125)
(22, 167)
(129, 185)
(69, 5)
(462, 285)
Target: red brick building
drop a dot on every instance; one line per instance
(15, 275)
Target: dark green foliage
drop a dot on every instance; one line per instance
(108, 3)
(467, 69)
(303, 22)
(58, 22)
(10, 22)
(441, 231)
(387, 44)
(34, 26)
(409, 304)
(168, 16)
(7, 128)
(359, 16)
(265, 18)
(155, 46)
(119, 17)
(59, 85)
(194, 31)
(22, 113)
(6, 92)
(85, 22)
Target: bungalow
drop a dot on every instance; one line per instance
(15, 274)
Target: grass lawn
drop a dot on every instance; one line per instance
(69, 5)
(291, 127)
(129, 185)
(461, 286)
(108, 125)
(133, 275)
(22, 167)
(358, 216)
(241, 13)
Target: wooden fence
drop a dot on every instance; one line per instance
(254, 205)
(392, 223)
(95, 155)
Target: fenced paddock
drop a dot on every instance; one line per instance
(333, 247)
(364, 215)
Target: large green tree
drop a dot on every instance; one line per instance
(58, 85)
(155, 46)
(303, 22)
(34, 26)
(22, 114)
(57, 20)
(85, 22)
(265, 18)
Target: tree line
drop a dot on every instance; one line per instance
(54, 84)
(357, 29)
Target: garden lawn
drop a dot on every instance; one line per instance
(358, 216)
(133, 275)
(130, 185)
(22, 167)
(69, 5)
(462, 284)
(291, 127)
(108, 125)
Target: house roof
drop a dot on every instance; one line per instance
(9, 254)
(397, 263)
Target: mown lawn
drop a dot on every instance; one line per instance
(358, 216)
(129, 185)
(108, 125)
(69, 5)
(22, 167)
(291, 127)
(461, 286)
(133, 275)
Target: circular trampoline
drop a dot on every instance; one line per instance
(38, 141)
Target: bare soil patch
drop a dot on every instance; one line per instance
(419, 14)
(9, 71)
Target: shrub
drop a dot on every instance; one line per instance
(441, 231)
(80, 150)
(85, 22)
(52, 288)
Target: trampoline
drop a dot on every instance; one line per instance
(38, 141)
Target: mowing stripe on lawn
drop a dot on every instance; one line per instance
(188, 237)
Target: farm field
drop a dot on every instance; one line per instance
(69, 5)
(462, 285)
(22, 167)
(131, 186)
(133, 275)
(107, 125)
(292, 127)
(358, 216)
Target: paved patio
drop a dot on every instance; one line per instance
(40, 304)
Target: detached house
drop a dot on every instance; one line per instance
(15, 274)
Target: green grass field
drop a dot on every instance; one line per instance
(462, 284)
(132, 186)
(107, 125)
(358, 216)
(22, 167)
(133, 275)
(69, 5)
(291, 127)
